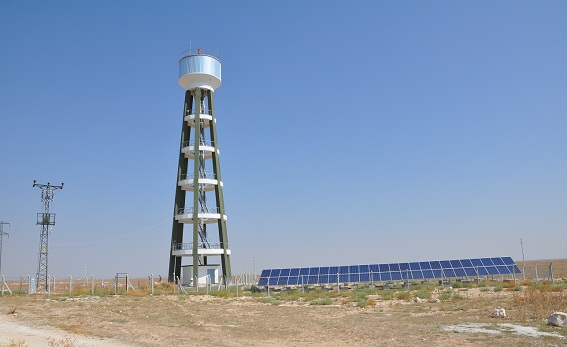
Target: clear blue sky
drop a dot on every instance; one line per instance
(361, 132)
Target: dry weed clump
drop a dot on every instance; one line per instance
(65, 342)
(536, 303)
(138, 292)
(16, 343)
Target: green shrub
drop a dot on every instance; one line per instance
(458, 285)
(457, 296)
(423, 294)
(325, 301)
(405, 295)
(446, 295)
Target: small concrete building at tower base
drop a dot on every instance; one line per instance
(211, 271)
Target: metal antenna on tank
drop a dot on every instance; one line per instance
(44, 219)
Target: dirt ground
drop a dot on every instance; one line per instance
(462, 318)
(197, 320)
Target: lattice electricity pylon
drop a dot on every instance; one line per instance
(46, 220)
(2, 233)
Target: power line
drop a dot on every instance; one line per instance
(112, 239)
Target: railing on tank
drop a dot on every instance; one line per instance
(207, 175)
(200, 51)
(186, 210)
(189, 246)
(201, 143)
(205, 111)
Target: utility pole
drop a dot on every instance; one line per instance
(523, 259)
(46, 220)
(2, 233)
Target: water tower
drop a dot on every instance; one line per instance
(199, 206)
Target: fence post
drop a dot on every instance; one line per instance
(338, 284)
(70, 285)
(536, 276)
(21, 282)
(48, 285)
(93, 284)
(53, 284)
(152, 281)
(236, 287)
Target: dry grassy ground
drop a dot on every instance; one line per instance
(352, 318)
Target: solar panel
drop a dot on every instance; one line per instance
(455, 263)
(476, 262)
(497, 261)
(435, 269)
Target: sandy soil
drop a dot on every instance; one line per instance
(197, 320)
(13, 330)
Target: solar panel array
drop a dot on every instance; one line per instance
(389, 272)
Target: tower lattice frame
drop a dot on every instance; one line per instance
(45, 219)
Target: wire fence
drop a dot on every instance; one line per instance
(120, 284)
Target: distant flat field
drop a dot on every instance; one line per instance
(559, 268)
